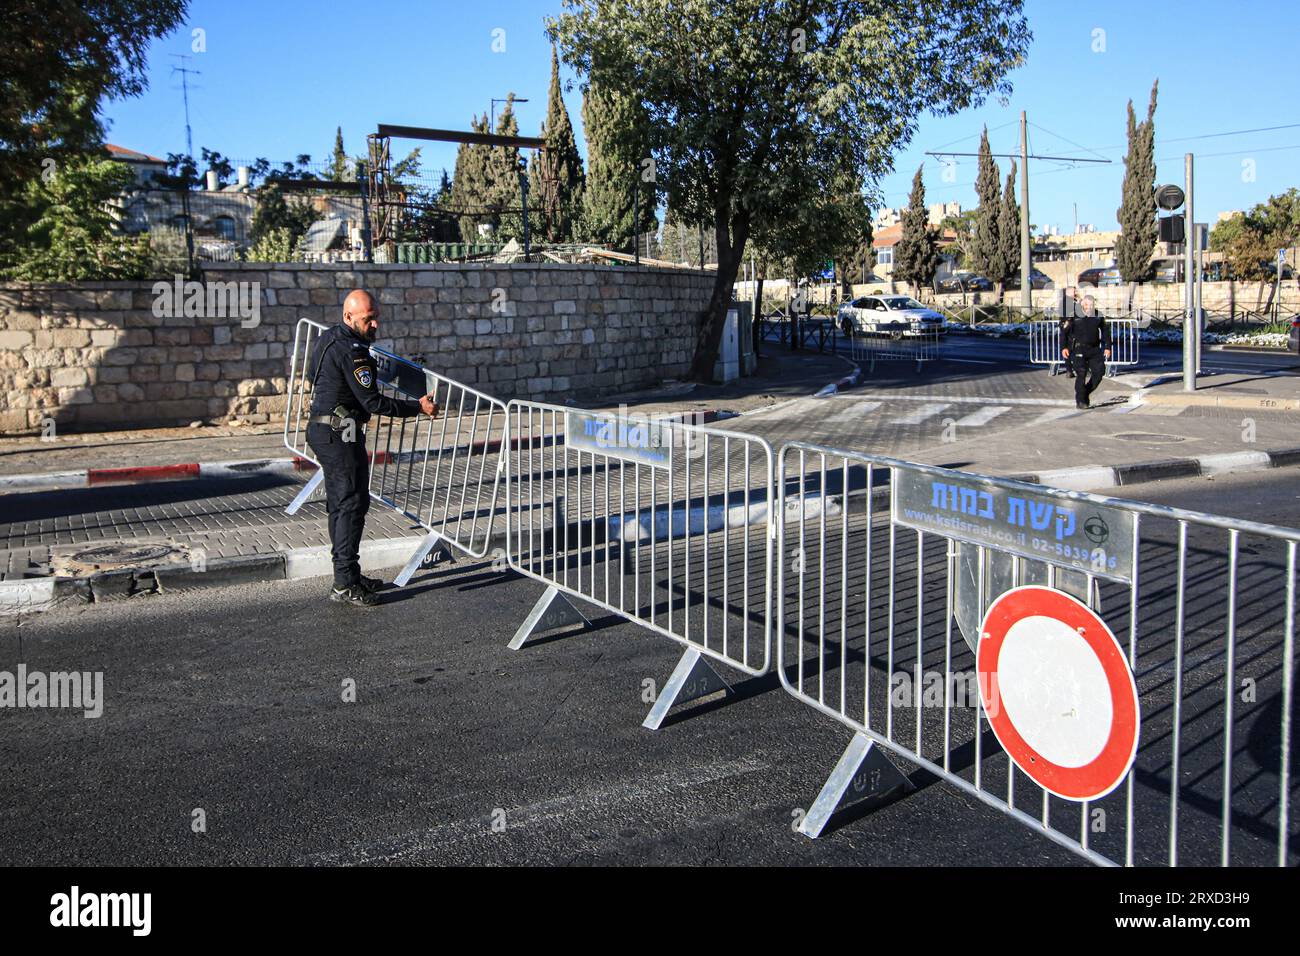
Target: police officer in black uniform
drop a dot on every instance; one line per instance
(345, 394)
(1086, 343)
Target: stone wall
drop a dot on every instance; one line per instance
(96, 355)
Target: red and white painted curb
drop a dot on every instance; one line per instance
(89, 477)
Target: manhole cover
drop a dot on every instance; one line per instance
(72, 560)
(1149, 438)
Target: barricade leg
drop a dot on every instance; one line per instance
(307, 491)
(421, 556)
(692, 679)
(864, 772)
(552, 610)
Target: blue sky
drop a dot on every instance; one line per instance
(277, 78)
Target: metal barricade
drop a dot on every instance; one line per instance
(443, 473)
(876, 557)
(663, 523)
(1123, 344)
(1045, 344)
(917, 347)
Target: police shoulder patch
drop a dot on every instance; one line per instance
(362, 372)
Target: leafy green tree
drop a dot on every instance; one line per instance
(277, 213)
(59, 63)
(761, 110)
(557, 176)
(1250, 240)
(617, 149)
(987, 254)
(1139, 228)
(504, 197)
(916, 254)
(962, 246)
(75, 234)
(1009, 228)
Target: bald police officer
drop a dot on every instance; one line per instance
(1085, 340)
(345, 394)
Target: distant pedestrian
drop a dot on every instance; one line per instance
(1086, 343)
(1069, 309)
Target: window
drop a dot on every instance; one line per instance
(224, 227)
(885, 257)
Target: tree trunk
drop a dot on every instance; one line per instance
(712, 319)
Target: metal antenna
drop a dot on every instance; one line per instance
(185, 71)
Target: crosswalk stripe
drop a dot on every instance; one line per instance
(855, 411)
(922, 413)
(983, 416)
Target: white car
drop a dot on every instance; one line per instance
(895, 315)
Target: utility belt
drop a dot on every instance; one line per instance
(337, 420)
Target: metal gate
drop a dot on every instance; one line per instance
(873, 347)
(868, 633)
(443, 473)
(661, 522)
(1045, 344)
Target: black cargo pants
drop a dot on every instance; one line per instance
(1089, 369)
(347, 496)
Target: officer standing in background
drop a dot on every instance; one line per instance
(1085, 342)
(345, 393)
(1069, 309)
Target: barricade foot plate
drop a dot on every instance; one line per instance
(425, 556)
(864, 772)
(692, 679)
(307, 491)
(553, 609)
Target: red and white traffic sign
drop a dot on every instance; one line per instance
(1058, 692)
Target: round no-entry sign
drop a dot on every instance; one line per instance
(1058, 692)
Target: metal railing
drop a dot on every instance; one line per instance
(443, 473)
(1045, 344)
(915, 347)
(663, 523)
(881, 591)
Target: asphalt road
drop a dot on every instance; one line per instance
(456, 750)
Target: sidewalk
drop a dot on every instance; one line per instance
(97, 542)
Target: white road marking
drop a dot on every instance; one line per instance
(855, 411)
(964, 399)
(922, 413)
(1053, 415)
(983, 416)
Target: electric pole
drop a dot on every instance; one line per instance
(185, 71)
(1026, 264)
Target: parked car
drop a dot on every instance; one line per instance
(1037, 280)
(1099, 276)
(897, 315)
(964, 282)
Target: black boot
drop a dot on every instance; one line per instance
(354, 594)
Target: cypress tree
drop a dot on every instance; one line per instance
(916, 254)
(986, 253)
(557, 176)
(504, 197)
(617, 146)
(471, 184)
(1137, 212)
(340, 166)
(1009, 228)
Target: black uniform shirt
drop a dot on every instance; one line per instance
(343, 371)
(1086, 332)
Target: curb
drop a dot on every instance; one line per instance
(1217, 401)
(1113, 476)
(93, 477)
(28, 595)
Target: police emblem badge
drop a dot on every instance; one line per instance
(363, 375)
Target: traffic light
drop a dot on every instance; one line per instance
(1171, 229)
